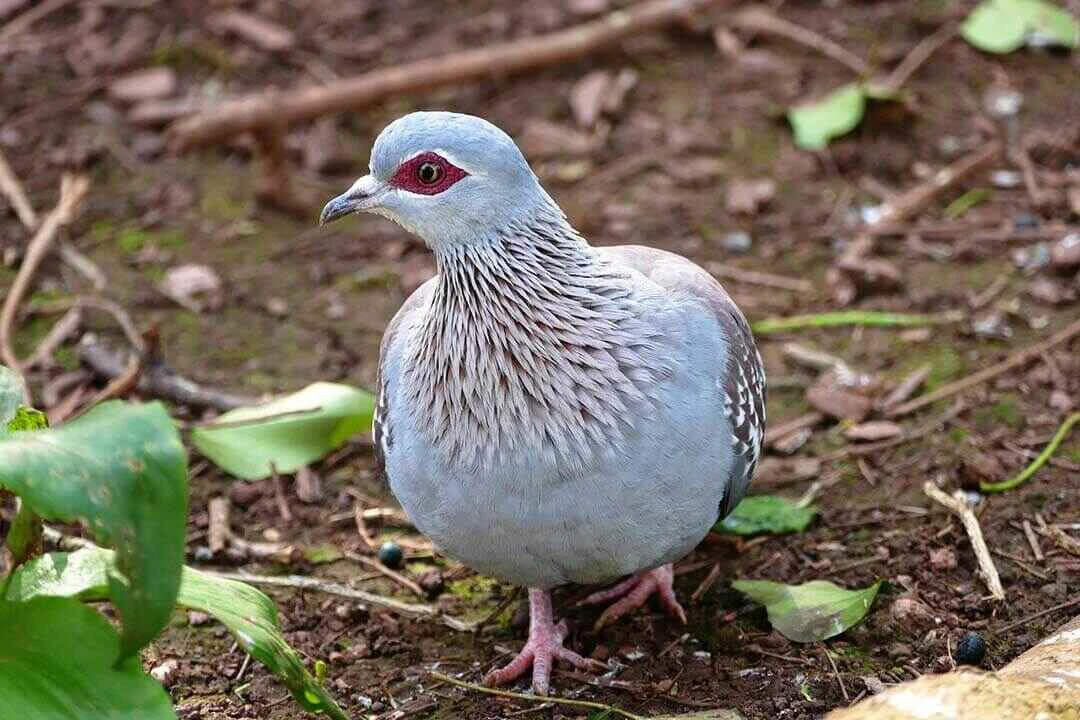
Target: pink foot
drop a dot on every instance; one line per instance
(633, 592)
(543, 647)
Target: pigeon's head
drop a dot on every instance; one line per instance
(452, 179)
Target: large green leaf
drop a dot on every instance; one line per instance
(812, 611)
(248, 614)
(122, 470)
(767, 514)
(288, 433)
(58, 662)
(1002, 26)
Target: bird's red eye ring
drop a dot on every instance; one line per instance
(426, 174)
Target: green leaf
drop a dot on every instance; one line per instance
(838, 113)
(1051, 25)
(57, 662)
(1002, 26)
(766, 514)
(288, 433)
(810, 612)
(993, 28)
(252, 619)
(121, 469)
(11, 397)
(248, 614)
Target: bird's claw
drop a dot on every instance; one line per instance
(634, 592)
(542, 649)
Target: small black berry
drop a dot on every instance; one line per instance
(970, 650)
(390, 555)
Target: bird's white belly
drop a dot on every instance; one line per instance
(537, 526)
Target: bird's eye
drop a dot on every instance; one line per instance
(429, 173)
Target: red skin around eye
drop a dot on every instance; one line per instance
(405, 177)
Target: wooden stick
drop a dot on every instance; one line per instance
(1015, 360)
(332, 588)
(73, 189)
(605, 709)
(919, 55)
(284, 108)
(759, 19)
(911, 202)
(13, 191)
(956, 503)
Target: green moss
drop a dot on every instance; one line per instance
(1006, 410)
(957, 435)
(131, 240)
(220, 199)
(192, 55)
(474, 588)
(946, 366)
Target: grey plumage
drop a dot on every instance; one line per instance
(550, 412)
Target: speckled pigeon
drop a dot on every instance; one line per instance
(550, 412)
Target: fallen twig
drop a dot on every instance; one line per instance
(332, 588)
(283, 108)
(762, 279)
(1015, 360)
(706, 584)
(1033, 540)
(73, 189)
(919, 55)
(1037, 463)
(911, 202)
(956, 503)
(608, 709)
(13, 191)
(397, 577)
(1042, 613)
(907, 387)
(157, 379)
(846, 318)
(836, 674)
(759, 19)
(31, 16)
(63, 329)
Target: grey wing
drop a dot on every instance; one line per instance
(742, 376)
(382, 431)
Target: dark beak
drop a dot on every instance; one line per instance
(360, 197)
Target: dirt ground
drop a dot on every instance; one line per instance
(300, 303)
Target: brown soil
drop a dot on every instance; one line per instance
(302, 303)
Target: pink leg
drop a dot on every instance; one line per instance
(543, 647)
(634, 592)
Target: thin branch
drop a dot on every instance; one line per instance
(13, 191)
(919, 55)
(332, 588)
(1015, 360)
(1037, 463)
(1042, 613)
(284, 108)
(31, 16)
(759, 19)
(157, 380)
(73, 189)
(762, 279)
(956, 504)
(537, 698)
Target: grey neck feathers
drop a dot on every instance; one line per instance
(530, 350)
